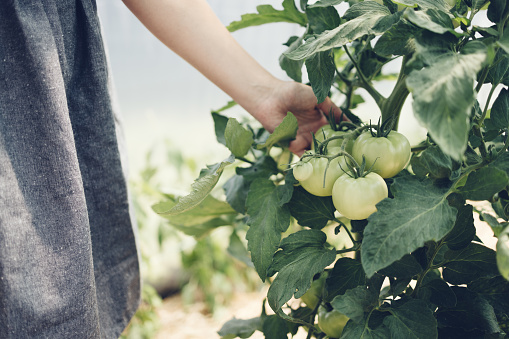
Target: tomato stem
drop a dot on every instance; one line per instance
(391, 107)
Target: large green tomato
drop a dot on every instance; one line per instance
(503, 253)
(326, 132)
(310, 172)
(331, 323)
(389, 154)
(355, 198)
(314, 293)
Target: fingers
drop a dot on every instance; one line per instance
(328, 107)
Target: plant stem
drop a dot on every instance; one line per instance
(391, 107)
(365, 82)
(428, 268)
(485, 111)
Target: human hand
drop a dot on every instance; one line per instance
(301, 101)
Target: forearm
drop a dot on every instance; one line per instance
(191, 29)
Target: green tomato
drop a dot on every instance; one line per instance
(314, 293)
(326, 132)
(331, 323)
(503, 253)
(355, 198)
(389, 154)
(310, 172)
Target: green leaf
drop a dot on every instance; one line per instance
(325, 3)
(426, 4)
(199, 190)
(497, 10)
(201, 230)
(468, 264)
(268, 218)
(361, 330)
(267, 14)
(438, 292)
(237, 250)
(321, 70)
(293, 68)
(484, 183)
(310, 210)
(346, 274)
(432, 20)
(498, 71)
(418, 213)
(494, 289)
(364, 18)
(283, 133)
(398, 40)
(322, 18)
(500, 110)
(275, 327)
(504, 42)
(436, 90)
(405, 267)
(302, 255)
(242, 328)
(238, 139)
(354, 303)
(463, 231)
(472, 312)
(503, 253)
(433, 162)
(412, 320)
(236, 190)
(220, 122)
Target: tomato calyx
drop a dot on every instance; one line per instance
(383, 129)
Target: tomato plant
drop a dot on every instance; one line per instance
(418, 266)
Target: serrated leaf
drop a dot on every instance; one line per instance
(426, 4)
(322, 18)
(242, 328)
(398, 40)
(325, 3)
(237, 138)
(267, 14)
(354, 303)
(346, 274)
(363, 331)
(412, 320)
(484, 183)
(418, 213)
(302, 255)
(436, 90)
(220, 122)
(237, 250)
(268, 218)
(471, 312)
(199, 190)
(504, 42)
(463, 231)
(432, 20)
(433, 162)
(293, 68)
(321, 70)
(405, 267)
(500, 110)
(364, 18)
(275, 327)
(310, 210)
(283, 133)
(438, 292)
(468, 264)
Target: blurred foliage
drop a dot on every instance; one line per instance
(207, 269)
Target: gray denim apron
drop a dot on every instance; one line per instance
(68, 260)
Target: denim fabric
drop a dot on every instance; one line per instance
(68, 260)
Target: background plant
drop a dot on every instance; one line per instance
(416, 267)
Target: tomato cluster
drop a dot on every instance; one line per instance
(333, 169)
